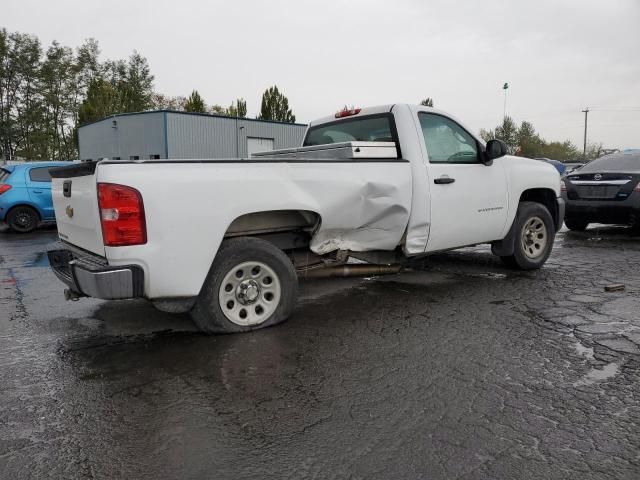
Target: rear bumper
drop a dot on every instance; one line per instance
(606, 211)
(86, 276)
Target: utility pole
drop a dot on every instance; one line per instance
(584, 149)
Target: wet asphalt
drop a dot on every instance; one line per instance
(458, 369)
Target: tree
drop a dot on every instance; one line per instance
(102, 100)
(45, 96)
(238, 109)
(506, 131)
(195, 103)
(57, 85)
(563, 151)
(526, 142)
(529, 142)
(218, 110)
(594, 150)
(135, 84)
(275, 106)
(165, 102)
(20, 56)
(427, 102)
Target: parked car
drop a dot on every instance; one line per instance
(606, 190)
(25, 195)
(225, 239)
(556, 163)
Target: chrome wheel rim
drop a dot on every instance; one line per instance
(249, 293)
(534, 237)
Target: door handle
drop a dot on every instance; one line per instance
(37, 191)
(444, 180)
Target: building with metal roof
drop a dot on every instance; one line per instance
(166, 134)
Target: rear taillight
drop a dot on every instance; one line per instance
(4, 188)
(637, 189)
(563, 186)
(121, 215)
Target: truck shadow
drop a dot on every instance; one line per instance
(139, 338)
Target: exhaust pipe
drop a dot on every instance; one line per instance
(350, 271)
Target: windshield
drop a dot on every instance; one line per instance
(378, 128)
(623, 162)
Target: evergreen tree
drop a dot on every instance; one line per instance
(102, 100)
(427, 102)
(138, 84)
(195, 103)
(238, 109)
(275, 106)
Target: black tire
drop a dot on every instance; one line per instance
(22, 219)
(530, 252)
(576, 224)
(208, 314)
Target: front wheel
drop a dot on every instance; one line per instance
(252, 284)
(22, 219)
(534, 234)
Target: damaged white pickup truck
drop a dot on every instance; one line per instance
(227, 239)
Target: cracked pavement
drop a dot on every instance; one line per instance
(457, 369)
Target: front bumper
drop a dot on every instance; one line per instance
(90, 276)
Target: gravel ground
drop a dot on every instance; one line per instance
(459, 368)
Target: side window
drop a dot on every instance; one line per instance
(446, 141)
(40, 174)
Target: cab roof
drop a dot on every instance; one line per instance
(377, 109)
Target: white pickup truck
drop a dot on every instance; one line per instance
(227, 239)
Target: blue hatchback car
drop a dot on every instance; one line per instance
(25, 195)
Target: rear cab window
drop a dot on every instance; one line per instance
(369, 128)
(40, 174)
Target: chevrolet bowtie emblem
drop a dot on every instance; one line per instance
(69, 211)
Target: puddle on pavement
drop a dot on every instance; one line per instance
(598, 375)
(40, 260)
(490, 275)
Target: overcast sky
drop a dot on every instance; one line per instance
(559, 56)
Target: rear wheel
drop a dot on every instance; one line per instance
(22, 219)
(534, 234)
(252, 284)
(576, 224)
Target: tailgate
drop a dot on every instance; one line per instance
(75, 201)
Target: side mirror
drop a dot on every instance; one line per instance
(495, 149)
